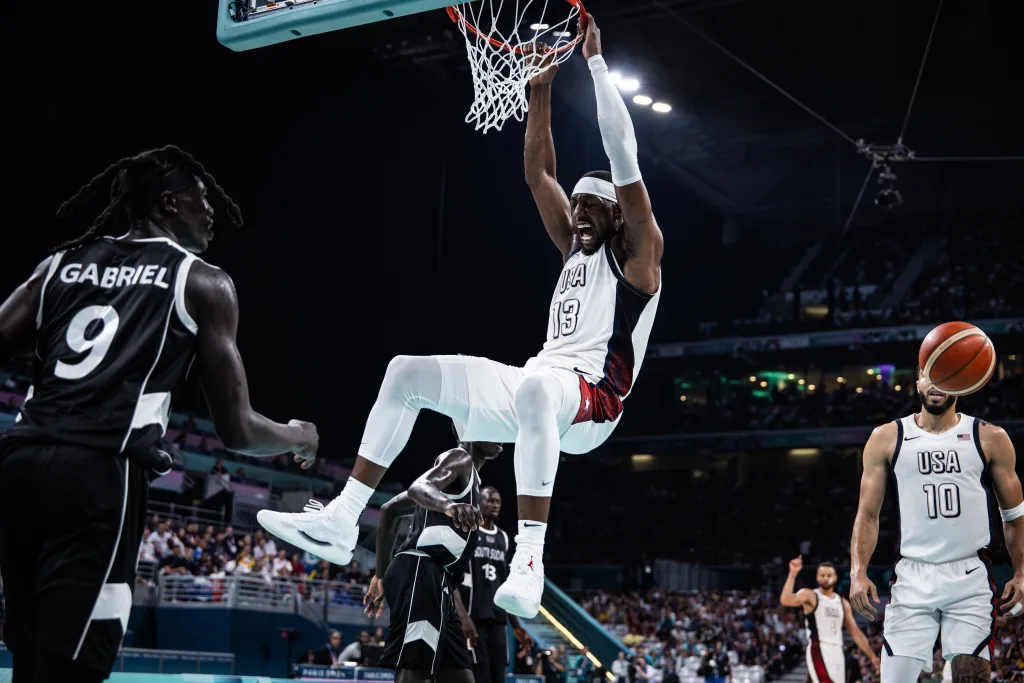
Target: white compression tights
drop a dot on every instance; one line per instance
(900, 669)
(413, 383)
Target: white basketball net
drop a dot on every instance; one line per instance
(500, 74)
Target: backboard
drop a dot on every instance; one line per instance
(247, 24)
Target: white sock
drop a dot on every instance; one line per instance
(353, 499)
(531, 536)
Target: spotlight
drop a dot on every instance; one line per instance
(629, 85)
(615, 77)
(661, 108)
(642, 100)
(763, 383)
(561, 34)
(539, 27)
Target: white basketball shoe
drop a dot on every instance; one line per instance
(323, 531)
(521, 593)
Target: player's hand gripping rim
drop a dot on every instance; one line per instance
(465, 516)
(864, 596)
(374, 598)
(1013, 597)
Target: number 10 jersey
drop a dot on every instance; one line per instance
(943, 488)
(113, 339)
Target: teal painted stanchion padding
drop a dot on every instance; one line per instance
(296, 20)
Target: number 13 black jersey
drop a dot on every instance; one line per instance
(487, 571)
(942, 483)
(114, 337)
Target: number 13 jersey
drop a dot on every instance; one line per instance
(943, 486)
(598, 323)
(113, 339)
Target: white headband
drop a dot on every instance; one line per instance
(597, 187)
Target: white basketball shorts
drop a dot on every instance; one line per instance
(826, 662)
(956, 599)
(488, 389)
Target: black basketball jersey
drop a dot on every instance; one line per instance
(487, 570)
(113, 339)
(433, 533)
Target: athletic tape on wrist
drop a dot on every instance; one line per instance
(1017, 609)
(1012, 514)
(597, 187)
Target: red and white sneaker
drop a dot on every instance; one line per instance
(521, 593)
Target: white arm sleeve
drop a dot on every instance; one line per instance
(616, 126)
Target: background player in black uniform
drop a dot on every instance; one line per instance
(425, 640)
(484, 624)
(114, 324)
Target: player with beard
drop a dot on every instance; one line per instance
(826, 613)
(944, 465)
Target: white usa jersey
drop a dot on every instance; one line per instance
(825, 623)
(942, 484)
(598, 326)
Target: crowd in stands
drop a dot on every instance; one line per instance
(973, 273)
(168, 550)
(721, 630)
(728, 630)
(840, 405)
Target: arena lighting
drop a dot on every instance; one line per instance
(539, 27)
(763, 383)
(840, 379)
(871, 371)
(629, 85)
(682, 398)
(569, 636)
(661, 108)
(801, 382)
(810, 387)
(615, 77)
(860, 389)
(791, 376)
(897, 388)
(642, 100)
(878, 377)
(753, 379)
(804, 451)
(561, 34)
(642, 458)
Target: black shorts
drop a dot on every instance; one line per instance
(425, 634)
(70, 522)
(490, 656)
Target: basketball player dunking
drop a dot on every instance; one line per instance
(114, 323)
(425, 640)
(483, 623)
(944, 465)
(826, 613)
(569, 397)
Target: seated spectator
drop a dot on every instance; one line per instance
(331, 653)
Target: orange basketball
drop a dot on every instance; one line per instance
(957, 358)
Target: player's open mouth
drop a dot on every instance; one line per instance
(586, 231)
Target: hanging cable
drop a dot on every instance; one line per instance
(947, 159)
(675, 15)
(920, 72)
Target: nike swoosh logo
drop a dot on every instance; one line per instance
(546, 483)
(528, 524)
(313, 540)
(910, 438)
(973, 570)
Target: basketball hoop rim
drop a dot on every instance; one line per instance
(457, 16)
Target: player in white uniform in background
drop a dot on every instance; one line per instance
(569, 397)
(944, 465)
(826, 613)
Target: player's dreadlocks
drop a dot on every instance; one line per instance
(131, 182)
